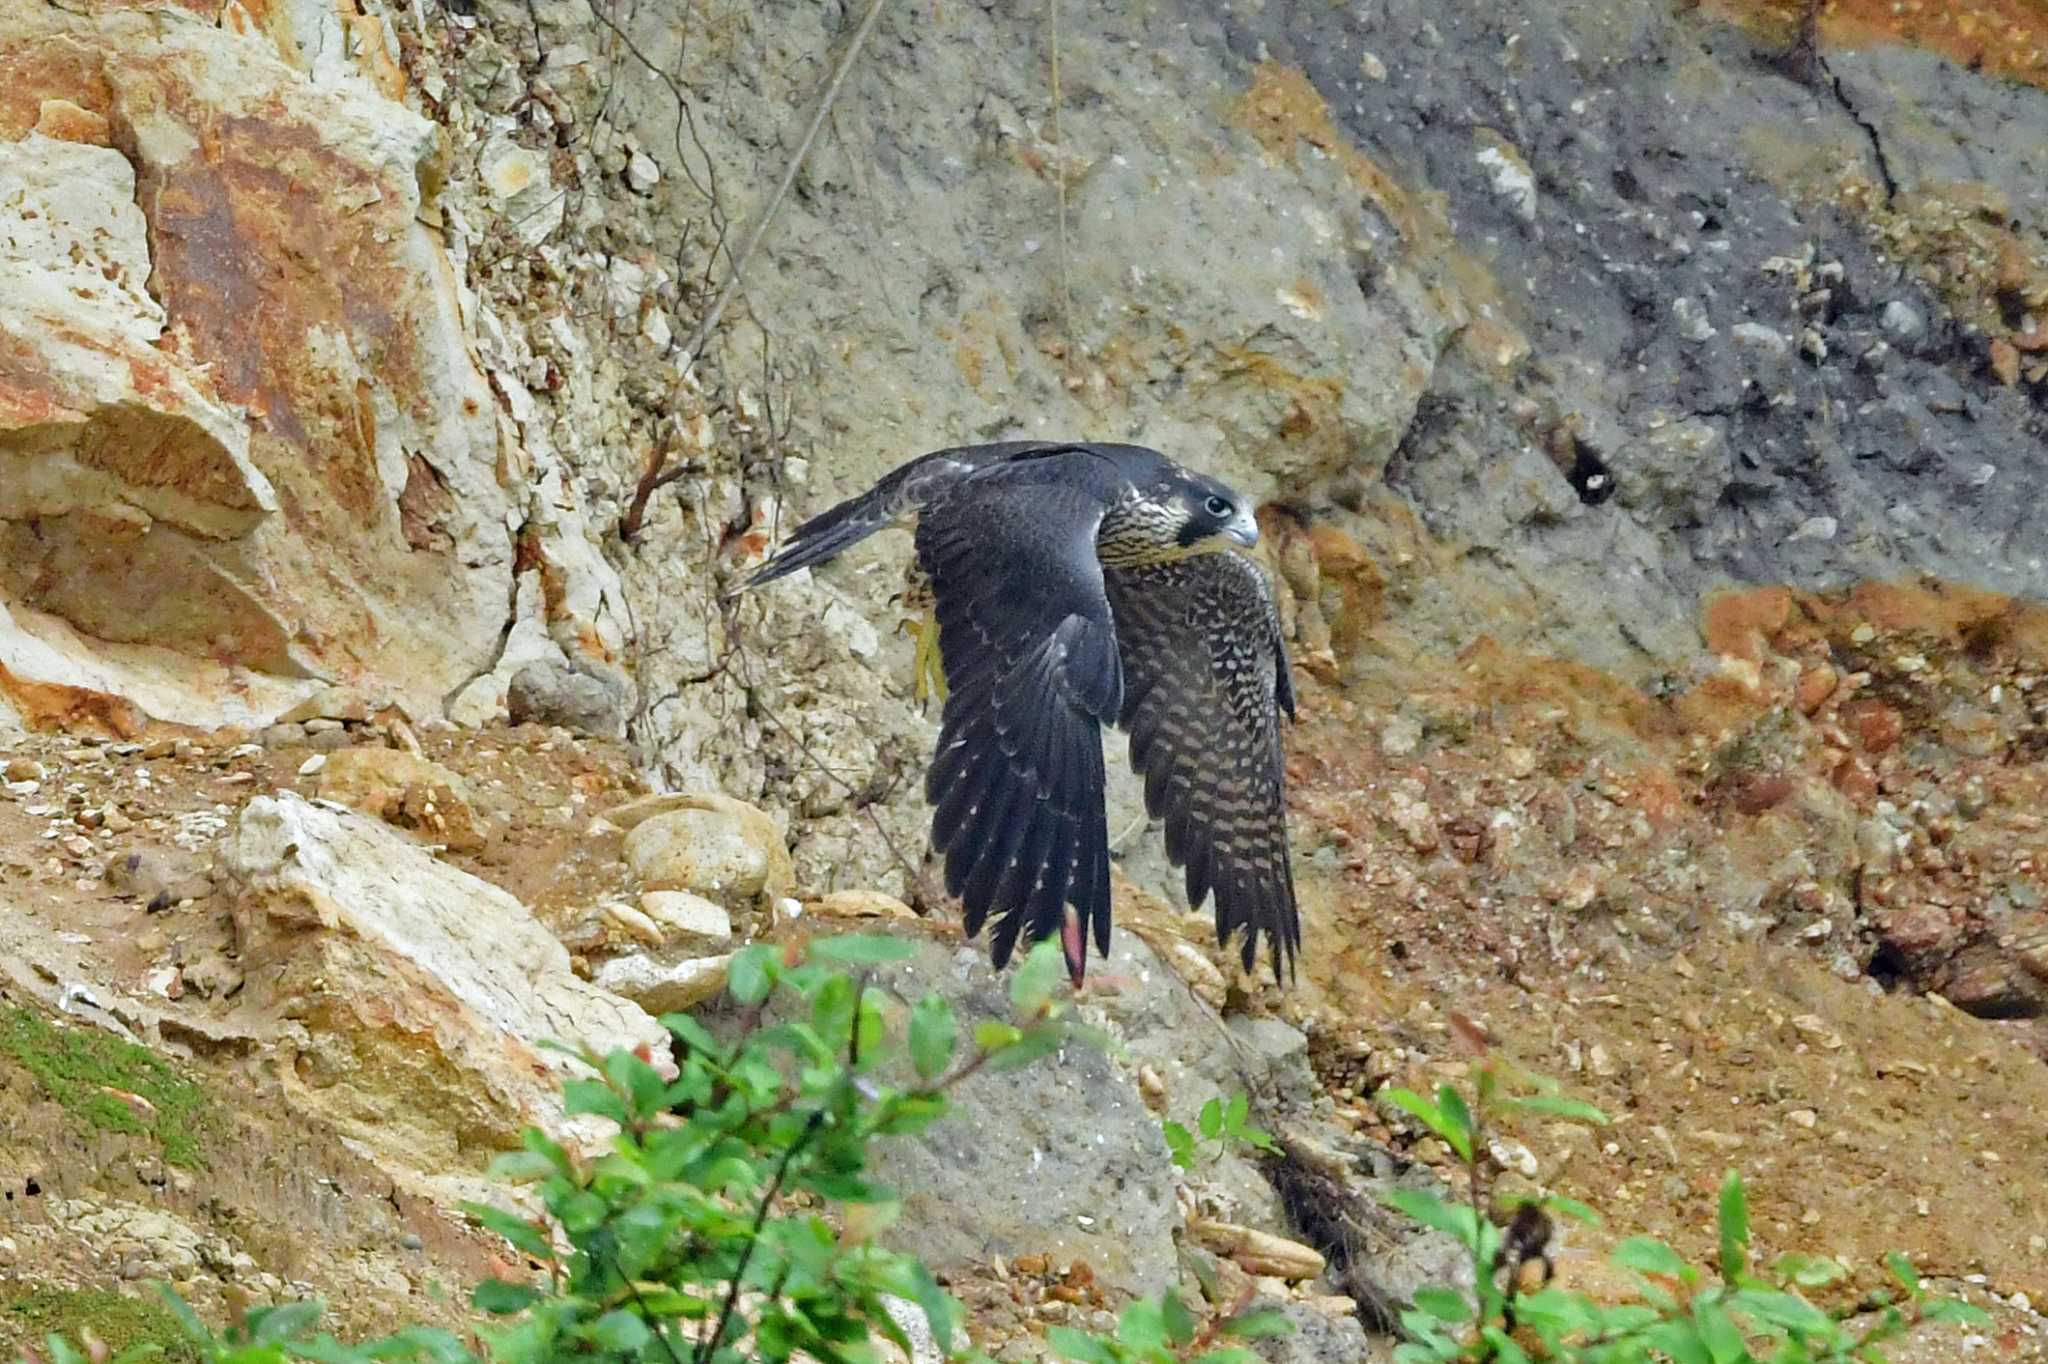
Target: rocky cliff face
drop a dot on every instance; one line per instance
(1646, 404)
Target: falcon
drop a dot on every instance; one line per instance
(1070, 586)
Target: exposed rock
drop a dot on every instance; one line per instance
(159, 877)
(704, 842)
(407, 791)
(551, 691)
(418, 993)
(1319, 1337)
(1062, 1159)
(663, 987)
(688, 921)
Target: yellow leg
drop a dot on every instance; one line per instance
(928, 678)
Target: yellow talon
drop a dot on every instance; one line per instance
(928, 675)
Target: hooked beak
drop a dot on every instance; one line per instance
(1243, 528)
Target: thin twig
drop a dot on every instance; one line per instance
(733, 278)
(1059, 177)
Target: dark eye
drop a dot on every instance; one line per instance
(1216, 506)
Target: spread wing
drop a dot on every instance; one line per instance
(1032, 672)
(1205, 681)
(902, 491)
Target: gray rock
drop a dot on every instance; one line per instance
(1061, 1159)
(1317, 1338)
(1902, 321)
(708, 852)
(550, 692)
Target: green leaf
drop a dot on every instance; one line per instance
(1557, 1106)
(1031, 988)
(1432, 1211)
(1572, 1208)
(1717, 1331)
(594, 1097)
(994, 1035)
(1180, 1142)
(1211, 1120)
(1236, 1111)
(1042, 1039)
(752, 973)
(1256, 1325)
(1807, 1271)
(1141, 1326)
(515, 1229)
(933, 1033)
(188, 1320)
(621, 1330)
(860, 949)
(520, 1167)
(1444, 1304)
(1734, 1228)
(1080, 1347)
(501, 1298)
(1458, 1126)
(1178, 1321)
(1955, 1310)
(1421, 1109)
(1681, 1340)
(1902, 1270)
(1504, 1347)
(1648, 1255)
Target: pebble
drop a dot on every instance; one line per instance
(1901, 320)
(24, 770)
(312, 764)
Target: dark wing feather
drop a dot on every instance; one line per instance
(1205, 680)
(1031, 665)
(900, 492)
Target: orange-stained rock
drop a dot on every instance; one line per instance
(1740, 624)
(1873, 724)
(1855, 781)
(1816, 685)
(243, 440)
(67, 122)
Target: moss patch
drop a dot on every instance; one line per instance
(89, 1074)
(121, 1321)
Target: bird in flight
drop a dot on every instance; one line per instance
(1072, 585)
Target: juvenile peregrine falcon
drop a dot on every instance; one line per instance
(1074, 584)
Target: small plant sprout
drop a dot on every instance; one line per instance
(1223, 1126)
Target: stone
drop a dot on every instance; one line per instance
(407, 791)
(686, 919)
(1321, 1335)
(706, 851)
(412, 996)
(1902, 321)
(663, 987)
(862, 904)
(159, 877)
(552, 692)
(1257, 1252)
(741, 834)
(1003, 1174)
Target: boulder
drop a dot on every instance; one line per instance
(704, 842)
(405, 790)
(412, 996)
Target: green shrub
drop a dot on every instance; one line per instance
(733, 1218)
(1743, 1314)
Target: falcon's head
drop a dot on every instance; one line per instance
(1213, 516)
(1168, 512)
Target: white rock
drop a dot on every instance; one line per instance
(423, 991)
(663, 987)
(642, 173)
(706, 851)
(687, 918)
